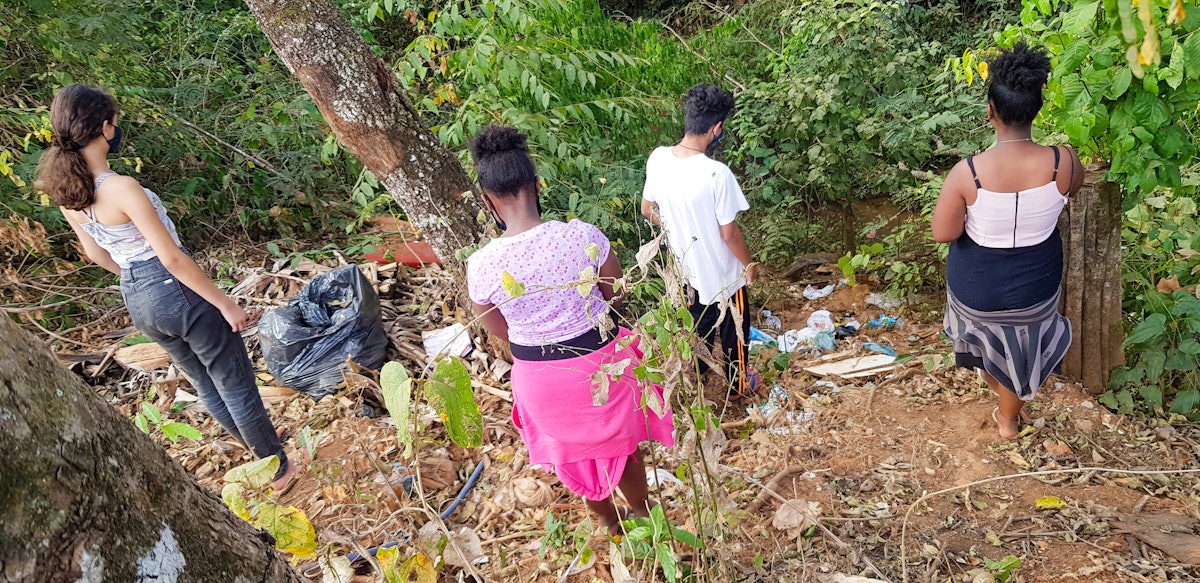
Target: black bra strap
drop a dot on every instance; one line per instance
(1056, 157)
(971, 163)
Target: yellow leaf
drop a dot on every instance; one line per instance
(421, 566)
(510, 285)
(1049, 503)
(982, 68)
(605, 180)
(234, 496)
(587, 281)
(45, 198)
(255, 474)
(291, 528)
(592, 250)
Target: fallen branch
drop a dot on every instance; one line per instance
(772, 487)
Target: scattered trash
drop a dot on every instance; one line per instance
(772, 320)
(880, 348)
(824, 384)
(662, 476)
(335, 317)
(882, 301)
(453, 340)
(813, 293)
(821, 321)
(776, 399)
(825, 340)
(852, 322)
(883, 321)
(792, 340)
(842, 332)
(757, 335)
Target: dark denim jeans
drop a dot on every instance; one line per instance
(205, 349)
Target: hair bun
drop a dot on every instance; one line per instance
(494, 140)
(1023, 69)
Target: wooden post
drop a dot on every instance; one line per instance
(1091, 233)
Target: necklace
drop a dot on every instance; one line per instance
(682, 145)
(999, 142)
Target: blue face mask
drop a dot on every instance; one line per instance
(718, 138)
(115, 142)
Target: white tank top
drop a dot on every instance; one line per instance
(125, 243)
(1008, 220)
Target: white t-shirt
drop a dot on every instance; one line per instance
(695, 196)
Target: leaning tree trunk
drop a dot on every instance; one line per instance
(1091, 232)
(356, 92)
(85, 496)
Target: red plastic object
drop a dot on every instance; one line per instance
(413, 254)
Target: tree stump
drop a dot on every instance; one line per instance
(1091, 233)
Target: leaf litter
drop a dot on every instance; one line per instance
(827, 501)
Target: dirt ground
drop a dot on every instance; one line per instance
(900, 476)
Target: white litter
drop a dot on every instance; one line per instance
(453, 340)
(813, 293)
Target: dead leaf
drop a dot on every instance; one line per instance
(1168, 285)
(462, 550)
(796, 513)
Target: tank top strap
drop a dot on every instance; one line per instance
(101, 178)
(1056, 159)
(971, 165)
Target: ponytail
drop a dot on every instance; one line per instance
(77, 117)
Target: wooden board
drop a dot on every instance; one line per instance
(852, 365)
(1168, 532)
(144, 357)
(871, 372)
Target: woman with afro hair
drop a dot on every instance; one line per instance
(999, 212)
(576, 402)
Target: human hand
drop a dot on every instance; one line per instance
(751, 274)
(235, 316)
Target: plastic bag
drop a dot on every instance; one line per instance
(335, 317)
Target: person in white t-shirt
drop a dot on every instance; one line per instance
(696, 200)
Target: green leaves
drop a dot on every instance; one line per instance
(255, 474)
(397, 397)
(1149, 329)
(1080, 18)
(449, 391)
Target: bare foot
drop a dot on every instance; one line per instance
(1009, 428)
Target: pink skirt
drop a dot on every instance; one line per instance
(586, 445)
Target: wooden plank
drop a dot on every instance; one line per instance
(870, 373)
(144, 357)
(851, 365)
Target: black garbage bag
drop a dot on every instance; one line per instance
(336, 316)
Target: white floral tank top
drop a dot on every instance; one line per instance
(125, 243)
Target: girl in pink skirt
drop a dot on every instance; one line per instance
(589, 440)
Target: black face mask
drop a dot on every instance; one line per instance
(115, 142)
(500, 224)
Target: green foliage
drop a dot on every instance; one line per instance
(448, 391)
(1164, 354)
(835, 119)
(213, 121)
(1124, 85)
(650, 537)
(149, 416)
(244, 494)
(396, 386)
(594, 95)
(1003, 569)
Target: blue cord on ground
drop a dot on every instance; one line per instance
(462, 495)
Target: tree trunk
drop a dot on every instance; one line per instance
(1091, 232)
(85, 496)
(356, 92)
